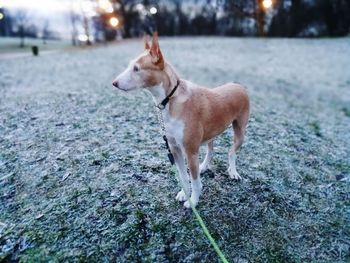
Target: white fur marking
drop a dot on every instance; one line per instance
(158, 93)
(181, 167)
(174, 127)
(196, 186)
(232, 167)
(205, 165)
(181, 196)
(129, 80)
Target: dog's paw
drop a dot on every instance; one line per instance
(234, 174)
(188, 205)
(203, 168)
(181, 196)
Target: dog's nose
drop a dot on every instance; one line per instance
(115, 83)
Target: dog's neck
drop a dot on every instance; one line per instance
(167, 84)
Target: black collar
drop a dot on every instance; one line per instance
(164, 102)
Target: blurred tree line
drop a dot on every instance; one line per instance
(104, 20)
(285, 18)
(19, 24)
(311, 18)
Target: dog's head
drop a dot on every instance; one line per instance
(144, 71)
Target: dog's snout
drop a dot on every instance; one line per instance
(115, 83)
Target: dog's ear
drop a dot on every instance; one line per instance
(145, 40)
(155, 49)
(157, 57)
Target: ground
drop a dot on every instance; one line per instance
(83, 176)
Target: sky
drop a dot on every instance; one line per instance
(41, 6)
(56, 12)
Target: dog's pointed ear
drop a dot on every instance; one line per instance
(157, 57)
(145, 40)
(155, 49)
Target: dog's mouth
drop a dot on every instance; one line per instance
(119, 88)
(125, 90)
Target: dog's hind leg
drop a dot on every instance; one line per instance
(205, 165)
(181, 167)
(239, 126)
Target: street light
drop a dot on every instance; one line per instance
(114, 22)
(153, 10)
(267, 4)
(1, 16)
(106, 6)
(83, 38)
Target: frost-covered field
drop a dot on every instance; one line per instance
(82, 176)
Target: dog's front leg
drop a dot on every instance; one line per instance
(181, 167)
(196, 184)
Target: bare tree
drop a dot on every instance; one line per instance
(73, 19)
(86, 28)
(46, 31)
(21, 18)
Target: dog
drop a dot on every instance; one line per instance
(193, 115)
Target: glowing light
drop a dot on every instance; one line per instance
(267, 4)
(153, 10)
(83, 38)
(139, 7)
(114, 21)
(106, 6)
(1, 16)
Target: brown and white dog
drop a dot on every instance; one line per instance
(194, 116)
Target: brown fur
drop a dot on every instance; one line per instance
(208, 112)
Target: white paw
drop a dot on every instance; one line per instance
(204, 167)
(181, 196)
(187, 203)
(234, 174)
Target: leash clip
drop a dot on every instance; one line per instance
(160, 106)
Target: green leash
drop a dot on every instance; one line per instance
(201, 222)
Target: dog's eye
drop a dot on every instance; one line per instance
(136, 68)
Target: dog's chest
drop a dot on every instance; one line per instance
(174, 129)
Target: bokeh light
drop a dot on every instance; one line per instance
(106, 6)
(83, 38)
(114, 22)
(153, 10)
(267, 4)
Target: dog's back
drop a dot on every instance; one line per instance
(212, 110)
